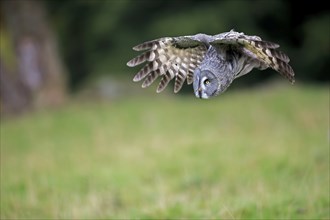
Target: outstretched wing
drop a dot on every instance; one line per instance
(169, 57)
(263, 52)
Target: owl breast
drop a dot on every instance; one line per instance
(215, 74)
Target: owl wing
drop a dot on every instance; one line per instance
(169, 57)
(263, 53)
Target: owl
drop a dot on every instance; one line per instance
(210, 63)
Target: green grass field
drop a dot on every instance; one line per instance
(261, 153)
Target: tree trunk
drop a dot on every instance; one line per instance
(38, 70)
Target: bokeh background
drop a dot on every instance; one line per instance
(79, 139)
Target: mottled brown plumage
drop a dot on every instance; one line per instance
(222, 57)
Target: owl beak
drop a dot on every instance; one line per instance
(200, 92)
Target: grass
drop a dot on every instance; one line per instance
(261, 153)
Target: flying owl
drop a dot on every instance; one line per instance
(210, 63)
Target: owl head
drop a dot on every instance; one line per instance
(208, 83)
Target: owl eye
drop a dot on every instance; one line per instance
(206, 82)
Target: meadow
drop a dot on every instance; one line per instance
(250, 153)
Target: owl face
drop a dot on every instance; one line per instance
(205, 84)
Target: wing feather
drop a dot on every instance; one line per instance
(151, 78)
(179, 80)
(263, 51)
(168, 58)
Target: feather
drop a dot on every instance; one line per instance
(263, 51)
(169, 58)
(178, 57)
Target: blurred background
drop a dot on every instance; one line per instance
(50, 50)
(79, 139)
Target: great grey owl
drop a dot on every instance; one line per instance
(211, 63)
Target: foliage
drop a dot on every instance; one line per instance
(256, 154)
(96, 36)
